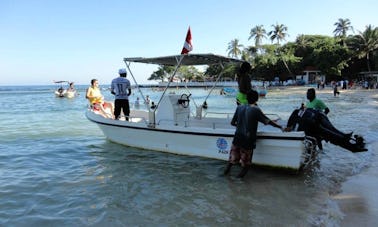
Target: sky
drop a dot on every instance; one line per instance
(78, 40)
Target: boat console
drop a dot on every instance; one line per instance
(173, 109)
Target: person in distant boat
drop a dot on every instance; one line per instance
(147, 101)
(71, 87)
(204, 105)
(121, 88)
(137, 103)
(96, 100)
(244, 83)
(61, 91)
(315, 103)
(246, 119)
(222, 92)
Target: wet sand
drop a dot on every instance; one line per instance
(358, 200)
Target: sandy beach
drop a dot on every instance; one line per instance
(358, 200)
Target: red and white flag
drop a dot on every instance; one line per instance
(188, 43)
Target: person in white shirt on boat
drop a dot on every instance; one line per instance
(97, 102)
(71, 91)
(147, 102)
(246, 119)
(71, 87)
(121, 88)
(136, 103)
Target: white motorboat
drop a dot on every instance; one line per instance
(229, 91)
(65, 91)
(172, 127)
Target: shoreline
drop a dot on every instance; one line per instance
(357, 199)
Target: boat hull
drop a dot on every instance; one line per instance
(65, 94)
(273, 149)
(70, 94)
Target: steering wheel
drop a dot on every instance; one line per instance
(184, 100)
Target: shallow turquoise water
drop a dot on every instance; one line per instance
(57, 168)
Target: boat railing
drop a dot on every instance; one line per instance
(209, 122)
(185, 123)
(195, 123)
(219, 114)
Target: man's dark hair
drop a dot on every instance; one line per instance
(245, 67)
(252, 96)
(311, 94)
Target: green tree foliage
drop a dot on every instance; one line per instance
(365, 44)
(330, 58)
(278, 33)
(323, 52)
(214, 70)
(163, 73)
(258, 33)
(189, 73)
(234, 48)
(265, 65)
(334, 56)
(184, 73)
(342, 27)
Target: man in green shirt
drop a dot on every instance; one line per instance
(315, 103)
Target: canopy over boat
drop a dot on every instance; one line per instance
(182, 60)
(61, 81)
(187, 59)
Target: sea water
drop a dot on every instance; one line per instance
(58, 169)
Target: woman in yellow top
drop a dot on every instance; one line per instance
(96, 100)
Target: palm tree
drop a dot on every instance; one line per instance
(234, 48)
(301, 43)
(278, 33)
(342, 27)
(365, 43)
(258, 33)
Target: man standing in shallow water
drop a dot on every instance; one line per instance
(246, 119)
(121, 88)
(314, 102)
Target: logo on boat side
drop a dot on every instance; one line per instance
(222, 146)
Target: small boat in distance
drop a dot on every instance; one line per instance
(262, 91)
(229, 91)
(65, 91)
